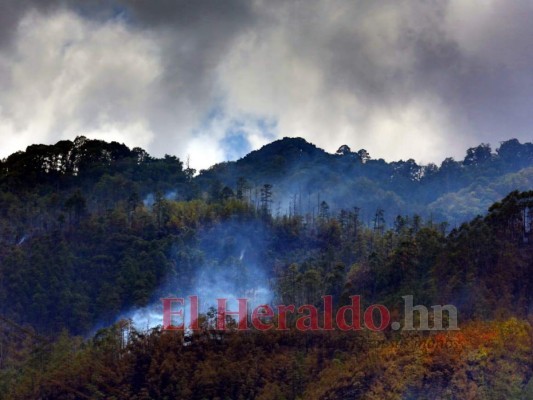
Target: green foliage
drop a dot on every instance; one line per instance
(90, 230)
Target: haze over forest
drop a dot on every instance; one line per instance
(362, 167)
(94, 234)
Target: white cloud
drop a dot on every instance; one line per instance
(69, 76)
(407, 79)
(283, 73)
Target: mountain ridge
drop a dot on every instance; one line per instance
(302, 176)
(296, 167)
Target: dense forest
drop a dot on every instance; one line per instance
(303, 176)
(92, 231)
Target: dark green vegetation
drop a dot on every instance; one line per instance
(303, 176)
(89, 230)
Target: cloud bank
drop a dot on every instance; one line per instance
(213, 80)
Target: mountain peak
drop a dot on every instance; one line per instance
(288, 147)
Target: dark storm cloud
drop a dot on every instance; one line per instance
(193, 36)
(10, 13)
(180, 14)
(413, 78)
(486, 80)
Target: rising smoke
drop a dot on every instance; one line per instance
(230, 261)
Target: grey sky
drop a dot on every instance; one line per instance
(403, 79)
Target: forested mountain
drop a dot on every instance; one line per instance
(303, 176)
(92, 231)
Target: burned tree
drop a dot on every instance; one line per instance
(266, 198)
(379, 221)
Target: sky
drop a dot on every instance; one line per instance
(212, 80)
